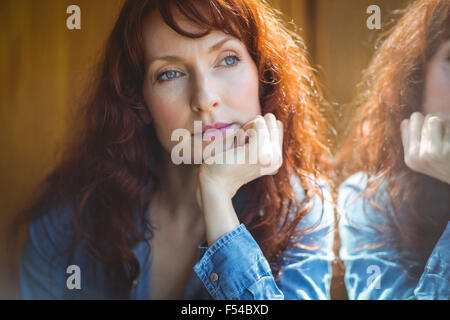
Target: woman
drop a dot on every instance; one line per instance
(135, 224)
(394, 230)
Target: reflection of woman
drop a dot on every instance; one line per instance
(394, 232)
(162, 71)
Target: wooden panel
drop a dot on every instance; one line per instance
(344, 44)
(298, 12)
(43, 67)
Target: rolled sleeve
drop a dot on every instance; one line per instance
(234, 267)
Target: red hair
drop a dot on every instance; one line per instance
(107, 166)
(390, 91)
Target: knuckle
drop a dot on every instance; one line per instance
(427, 155)
(422, 158)
(411, 163)
(259, 121)
(270, 116)
(416, 116)
(404, 122)
(434, 156)
(427, 117)
(265, 158)
(413, 151)
(280, 161)
(407, 161)
(434, 120)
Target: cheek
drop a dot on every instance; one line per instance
(166, 116)
(244, 92)
(437, 93)
(164, 113)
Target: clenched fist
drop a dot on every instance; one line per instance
(262, 155)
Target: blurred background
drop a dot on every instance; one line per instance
(45, 68)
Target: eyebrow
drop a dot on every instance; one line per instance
(213, 48)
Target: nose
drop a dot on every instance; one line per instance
(204, 94)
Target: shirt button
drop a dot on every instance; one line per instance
(135, 282)
(213, 277)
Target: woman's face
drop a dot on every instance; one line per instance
(437, 83)
(210, 79)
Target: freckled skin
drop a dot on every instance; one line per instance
(203, 87)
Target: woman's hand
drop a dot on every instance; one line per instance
(262, 155)
(220, 178)
(426, 145)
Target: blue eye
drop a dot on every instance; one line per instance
(231, 60)
(168, 75)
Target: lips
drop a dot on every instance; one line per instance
(217, 125)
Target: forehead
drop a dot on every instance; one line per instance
(440, 54)
(444, 46)
(161, 39)
(155, 23)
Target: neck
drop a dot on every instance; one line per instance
(178, 185)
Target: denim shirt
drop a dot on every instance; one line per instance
(374, 271)
(233, 267)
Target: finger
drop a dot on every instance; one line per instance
(251, 123)
(263, 140)
(279, 125)
(281, 133)
(446, 141)
(275, 141)
(246, 132)
(271, 123)
(415, 133)
(243, 137)
(218, 135)
(248, 138)
(238, 155)
(246, 135)
(404, 127)
(425, 139)
(434, 135)
(219, 142)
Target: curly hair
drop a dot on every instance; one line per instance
(106, 167)
(391, 90)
